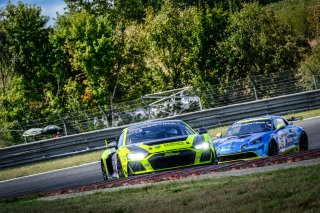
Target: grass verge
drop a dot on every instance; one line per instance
(287, 190)
(95, 156)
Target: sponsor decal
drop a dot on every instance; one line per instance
(168, 154)
(157, 147)
(173, 144)
(285, 140)
(281, 141)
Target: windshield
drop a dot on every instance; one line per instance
(249, 127)
(156, 131)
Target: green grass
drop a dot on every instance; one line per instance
(95, 156)
(287, 190)
(304, 115)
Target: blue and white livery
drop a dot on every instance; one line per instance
(259, 137)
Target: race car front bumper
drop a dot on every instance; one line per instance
(165, 160)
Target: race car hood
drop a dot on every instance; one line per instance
(166, 144)
(166, 140)
(236, 143)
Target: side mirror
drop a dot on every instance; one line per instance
(219, 135)
(202, 130)
(280, 126)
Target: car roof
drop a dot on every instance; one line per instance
(266, 117)
(153, 122)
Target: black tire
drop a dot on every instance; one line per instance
(214, 159)
(104, 173)
(303, 142)
(119, 168)
(273, 148)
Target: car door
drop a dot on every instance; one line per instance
(292, 139)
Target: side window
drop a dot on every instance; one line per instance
(120, 140)
(278, 121)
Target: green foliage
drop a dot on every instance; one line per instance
(14, 106)
(295, 13)
(314, 19)
(310, 69)
(25, 56)
(258, 43)
(97, 7)
(87, 42)
(170, 42)
(181, 43)
(213, 23)
(99, 53)
(6, 63)
(27, 38)
(14, 103)
(135, 78)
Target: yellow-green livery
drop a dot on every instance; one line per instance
(155, 146)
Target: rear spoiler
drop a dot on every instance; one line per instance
(298, 118)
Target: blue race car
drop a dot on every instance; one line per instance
(259, 137)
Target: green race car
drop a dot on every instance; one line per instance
(155, 146)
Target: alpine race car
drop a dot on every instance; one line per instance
(155, 146)
(259, 137)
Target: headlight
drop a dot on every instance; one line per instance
(136, 156)
(200, 143)
(204, 145)
(256, 141)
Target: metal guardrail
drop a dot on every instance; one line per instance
(90, 141)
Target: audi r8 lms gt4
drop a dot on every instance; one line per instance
(259, 137)
(156, 146)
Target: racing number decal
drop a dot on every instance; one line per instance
(281, 141)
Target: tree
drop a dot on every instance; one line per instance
(97, 7)
(172, 45)
(87, 42)
(131, 10)
(295, 13)
(212, 26)
(258, 43)
(181, 44)
(25, 56)
(5, 59)
(28, 48)
(314, 20)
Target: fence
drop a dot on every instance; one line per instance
(169, 103)
(84, 142)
